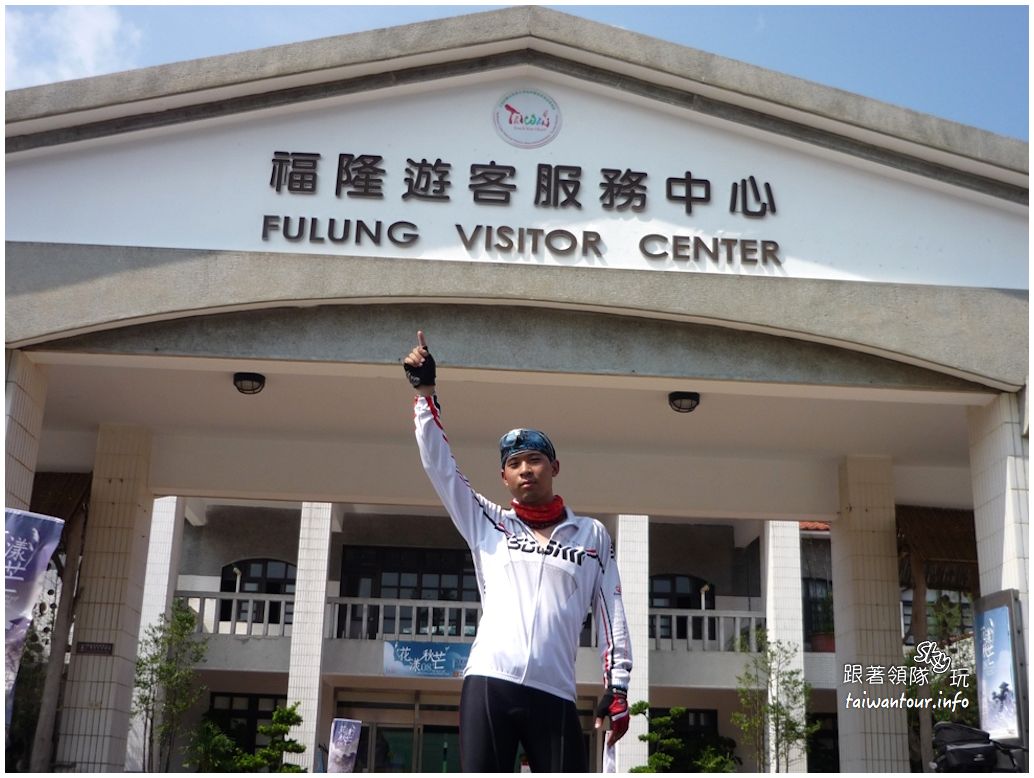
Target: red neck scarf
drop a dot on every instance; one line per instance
(541, 516)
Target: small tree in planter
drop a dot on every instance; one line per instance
(671, 752)
(271, 757)
(166, 683)
(211, 750)
(773, 695)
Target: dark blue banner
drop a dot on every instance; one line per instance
(30, 541)
(427, 660)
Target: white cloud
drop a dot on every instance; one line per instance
(58, 44)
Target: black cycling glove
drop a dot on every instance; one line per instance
(424, 375)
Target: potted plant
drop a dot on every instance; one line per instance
(822, 638)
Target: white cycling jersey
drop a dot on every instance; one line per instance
(534, 598)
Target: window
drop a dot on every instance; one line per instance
(948, 613)
(818, 606)
(681, 592)
(259, 576)
(823, 749)
(239, 716)
(408, 574)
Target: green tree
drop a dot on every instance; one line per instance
(956, 683)
(713, 759)
(270, 758)
(666, 751)
(673, 750)
(773, 698)
(166, 682)
(211, 750)
(957, 679)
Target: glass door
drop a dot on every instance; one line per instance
(440, 749)
(393, 749)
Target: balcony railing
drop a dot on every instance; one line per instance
(712, 630)
(245, 613)
(355, 618)
(359, 618)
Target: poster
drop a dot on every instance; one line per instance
(30, 540)
(344, 745)
(998, 687)
(426, 660)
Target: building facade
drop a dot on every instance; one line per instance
(583, 221)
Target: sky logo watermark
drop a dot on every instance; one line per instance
(930, 661)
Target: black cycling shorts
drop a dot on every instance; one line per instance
(496, 716)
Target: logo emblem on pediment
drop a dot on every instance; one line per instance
(527, 118)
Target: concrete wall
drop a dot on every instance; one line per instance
(976, 334)
(233, 533)
(704, 551)
(396, 531)
(254, 655)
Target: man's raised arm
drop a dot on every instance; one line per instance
(465, 506)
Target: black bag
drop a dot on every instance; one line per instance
(945, 732)
(969, 758)
(962, 749)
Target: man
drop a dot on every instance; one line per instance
(539, 569)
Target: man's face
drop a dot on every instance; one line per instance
(529, 477)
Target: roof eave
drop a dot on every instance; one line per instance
(534, 28)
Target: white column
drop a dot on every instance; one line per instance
(163, 564)
(1000, 468)
(781, 555)
(310, 599)
(25, 393)
(99, 689)
(866, 598)
(633, 557)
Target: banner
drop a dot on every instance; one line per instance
(1000, 687)
(30, 540)
(426, 660)
(344, 745)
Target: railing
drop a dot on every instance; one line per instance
(712, 630)
(246, 613)
(356, 618)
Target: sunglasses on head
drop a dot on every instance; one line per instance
(518, 440)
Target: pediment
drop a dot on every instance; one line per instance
(308, 162)
(608, 178)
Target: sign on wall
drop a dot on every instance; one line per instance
(526, 119)
(518, 171)
(425, 660)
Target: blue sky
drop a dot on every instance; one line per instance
(965, 63)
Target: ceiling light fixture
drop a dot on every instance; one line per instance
(249, 383)
(683, 402)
